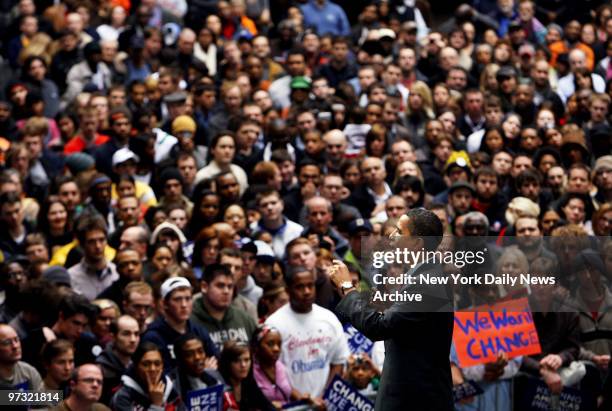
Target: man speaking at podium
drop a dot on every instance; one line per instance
(416, 372)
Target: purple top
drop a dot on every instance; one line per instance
(278, 391)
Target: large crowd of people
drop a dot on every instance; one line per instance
(177, 176)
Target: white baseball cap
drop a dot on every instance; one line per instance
(172, 284)
(124, 154)
(264, 252)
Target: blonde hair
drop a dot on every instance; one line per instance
(423, 90)
(489, 70)
(515, 255)
(105, 304)
(36, 126)
(521, 207)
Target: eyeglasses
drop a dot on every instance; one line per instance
(9, 341)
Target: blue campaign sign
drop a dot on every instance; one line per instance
(206, 399)
(537, 397)
(357, 342)
(341, 396)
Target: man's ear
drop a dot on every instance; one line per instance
(204, 287)
(403, 222)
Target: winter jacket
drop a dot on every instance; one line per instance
(112, 369)
(235, 325)
(132, 397)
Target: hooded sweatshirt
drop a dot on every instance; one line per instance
(131, 396)
(112, 369)
(235, 325)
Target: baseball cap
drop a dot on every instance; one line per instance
(461, 184)
(300, 82)
(78, 162)
(57, 275)
(458, 159)
(175, 98)
(124, 154)
(358, 225)
(172, 284)
(265, 254)
(385, 32)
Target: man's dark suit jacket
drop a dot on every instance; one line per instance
(416, 373)
(362, 200)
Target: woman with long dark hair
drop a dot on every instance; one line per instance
(206, 211)
(54, 223)
(235, 365)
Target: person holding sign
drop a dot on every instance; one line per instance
(191, 372)
(145, 386)
(416, 370)
(558, 332)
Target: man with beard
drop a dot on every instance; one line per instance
(120, 121)
(542, 89)
(530, 239)
(523, 102)
(129, 267)
(489, 200)
(117, 356)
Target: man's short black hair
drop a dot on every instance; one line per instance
(426, 224)
(10, 197)
(180, 342)
(89, 222)
(292, 272)
(215, 270)
(74, 304)
(527, 176)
